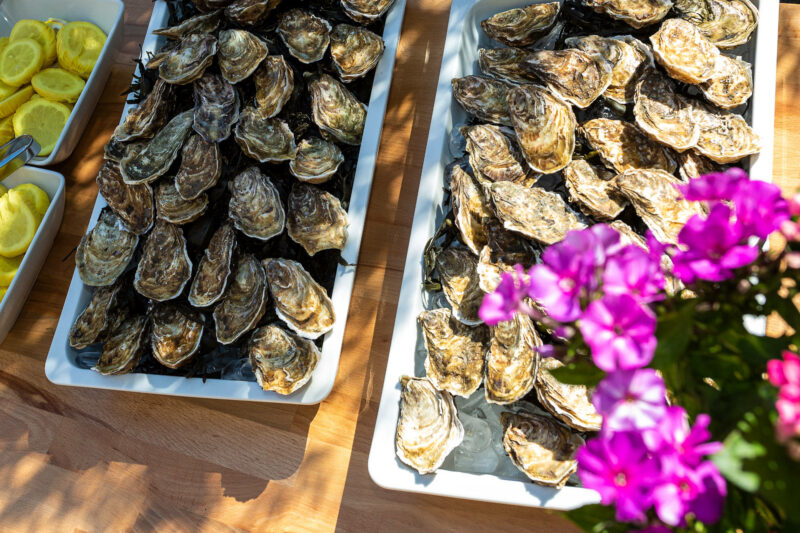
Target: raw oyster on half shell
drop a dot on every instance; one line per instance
(201, 167)
(573, 75)
(165, 267)
(512, 361)
(214, 268)
(317, 160)
(522, 26)
(665, 115)
(568, 403)
(274, 85)
(505, 64)
(336, 111)
(175, 334)
(622, 146)
(249, 12)
(244, 302)
(592, 190)
(726, 23)
(725, 137)
(104, 312)
(305, 35)
(133, 204)
(684, 51)
(731, 84)
(693, 165)
(470, 209)
(170, 206)
(157, 155)
(189, 60)
(366, 11)
(264, 139)
(239, 54)
(459, 278)
(504, 250)
(216, 108)
(636, 13)
(105, 251)
(255, 206)
(124, 347)
(281, 361)
(152, 113)
(483, 97)
(355, 51)
(316, 220)
(495, 156)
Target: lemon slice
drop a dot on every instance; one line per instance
(58, 85)
(8, 269)
(4, 42)
(36, 199)
(39, 32)
(9, 105)
(6, 134)
(43, 120)
(17, 225)
(56, 23)
(3, 292)
(20, 60)
(6, 90)
(79, 45)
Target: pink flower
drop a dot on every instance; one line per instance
(700, 490)
(715, 186)
(507, 299)
(631, 399)
(636, 272)
(760, 208)
(794, 205)
(690, 443)
(786, 375)
(786, 372)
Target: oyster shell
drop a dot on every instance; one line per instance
(305, 35)
(459, 277)
(274, 85)
(281, 361)
(731, 84)
(573, 75)
(684, 51)
(366, 11)
(264, 139)
(726, 23)
(664, 115)
(149, 116)
(568, 403)
(636, 13)
(133, 204)
(207, 6)
(355, 51)
(693, 165)
(250, 12)
(155, 158)
(512, 361)
(240, 52)
(216, 108)
(202, 24)
(504, 250)
(483, 97)
(105, 251)
(538, 214)
(337, 112)
(211, 279)
(175, 334)
(505, 64)
(494, 156)
(545, 127)
(165, 268)
(622, 146)
(244, 302)
(255, 206)
(592, 189)
(189, 60)
(317, 160)
(123, 349)
(725, 137)
(543, 449)
(470, 210)
(316, 220)
(521, 26)
(100, 317)
(170, 206)
(300, 302)
(201, 167)
(428, 428)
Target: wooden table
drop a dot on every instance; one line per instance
(88, 460)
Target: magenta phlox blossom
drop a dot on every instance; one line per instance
(715, 186)
(689, 442)
(631, 399)
(697, 490)
(507, 299)
(785, 374)
(760, 208)
(636, 272)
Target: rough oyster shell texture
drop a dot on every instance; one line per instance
(569, 403)
(355, 51)
(249, 12)
(521, 26)
(573, 75)
(495, 156)
(305, 35)
(201, 167)
(214, 268)
(366, 11)
(175, 334)
(592, 189)
(216, 108)
(133, 204)
(105, 251)
(636, 13)
(470, 210)
(483, 97)
(317, 160)
(123, 349)
(165, 267)
(189, 60)
(157, 155)
(202, 24)
(274, 85)
(239, 54)
(731, 84)
(663, 114)
(725, 137)
(264, 139)
(503, 250)
(100, 316)
(693, 165)
(244, 301)
(316, 219)
(726, 23)
(622, 146)
(170, 206)
(511, 361)
(148, 117)
(336, 111)
(459, 277)
(281, 361)
(255, 206)
(505, 64)
(684, 51)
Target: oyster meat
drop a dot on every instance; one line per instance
(133, 204)
(244, 302)
(102, 315)
(592, 189)
(725, 137)
(522, 26)
(622, 146)
(503, 250)
(470, 210)
(693, 165)
(355, 51)
(155, 158)
(316, 220)
(317, 160)
(684, 51)
(483, 97)
(366, 11)
(255, 206)
(336, 111)
(165, 267)
(274, 85)
(459, 277)
(512, 361)
(211, 279)
(494, 156)
(264, 139)
(124, 347)
(281, 361)
(105, 251)
(216, 108)
(731, 84)
(505, 64)
(428, 428)
(201, 167)
(249, 12)
(726, 23)
(665, 115)
(202, 24)
(305, 35)
(189, 60)
(170, 206)
(152, 113)
(636, 13)
(568, 403)
(573, 75)
(240, 52)
(175, 334)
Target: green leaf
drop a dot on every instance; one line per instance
(578, 373)
(754, 349)
(730, 461)
(674, 332)
(596, 518)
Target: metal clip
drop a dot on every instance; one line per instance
(16, 153)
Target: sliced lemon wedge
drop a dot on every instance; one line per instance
(39, 32)
(43, 120)
(6, 134)
(19, 61)
(9, 105)
(8, 269)
(78, 45)
(58, 85)
(17, 225)
(36, 199)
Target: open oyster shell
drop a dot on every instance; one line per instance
(459, 277)
(189, 60)
(244, 302)
(165, 267)
(274, 85)
(300, 302)
(726, 23)
(543, 449)
(636, 13)
(249, 12)
(265, 140)
(428, 428)
(545, 127)
(470, 209)
(133, 204)
(211, 279)
(684, 51)
(693, 165)
(522, 26)
(216, 108)
(512, 361)
(240, 52)
(281, 361)
(201, 167)
(175, 334)
(366, 11)
(483, 97)
(124, 347)
(105, 251)
(504, 250)
(663, 114)
(155, 158)
(622, 146)
(725, 137)
(202, 24)
(336, 111)
(102, 315)
(731, 84)
(170, 206)
(316, 220)
(305, 35)
(317, 160)
(573, 75)
(505, 64)
(355, 51)
(255, 206)
(568, 403)
(152, 113)
(494, 155)
(592, 190)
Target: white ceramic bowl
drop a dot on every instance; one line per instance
(107, 14)
(53, 184)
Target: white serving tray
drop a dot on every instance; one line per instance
(108, 15)
(464, 37)
(60, 367)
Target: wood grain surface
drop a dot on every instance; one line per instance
(89, 460)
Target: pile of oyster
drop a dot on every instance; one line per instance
(227, 188)
(591, 112)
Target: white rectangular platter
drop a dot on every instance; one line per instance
(464, 37)
(60, 366)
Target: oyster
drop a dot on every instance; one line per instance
(731, 84)
(337, 112)
(155, 158)
(622, 146)
(274, 86)
(512, 361)
(165, 268)
(470, 210)
(115, 150)
(521, 26)
(317, 160)
(636, 13)
(725, 137)
(170, 206)
(250, 12)
(133, 204)
(656, 200)
(207, 6)
(300, 301)
(457, 272)
(538, 214)
(149, 116)
(316, 220)
(540, 447)
(211, 279)
(355, 51)
(189, 60)
(366, 11)
(201, 167)
(265, 140)
(255, 206)
(305, 35)
(568, 403)
(545, 127)
(505, 64)
(693, 165)
(591, 188)
(281, 361)
(216, 108)
(684, 51)
(244, 302)
(123, 349)
(494, 156)
(175, 334)
(240, 52)
(103, 313)
(664, 115)
(504, 250)
(573, 75)
(726, 23)
(105, 251)
(202, 24)
(428, 428)
(485, 98)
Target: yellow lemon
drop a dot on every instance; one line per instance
(9, 105)
(39, 32)
(17, 225)
(78, 45)
(6, 131)
(36, 199)
(58, 85)
(6, 90)
(19, 61)
(4, 42)
(3, 292)
(8, 269)
(43, 120)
